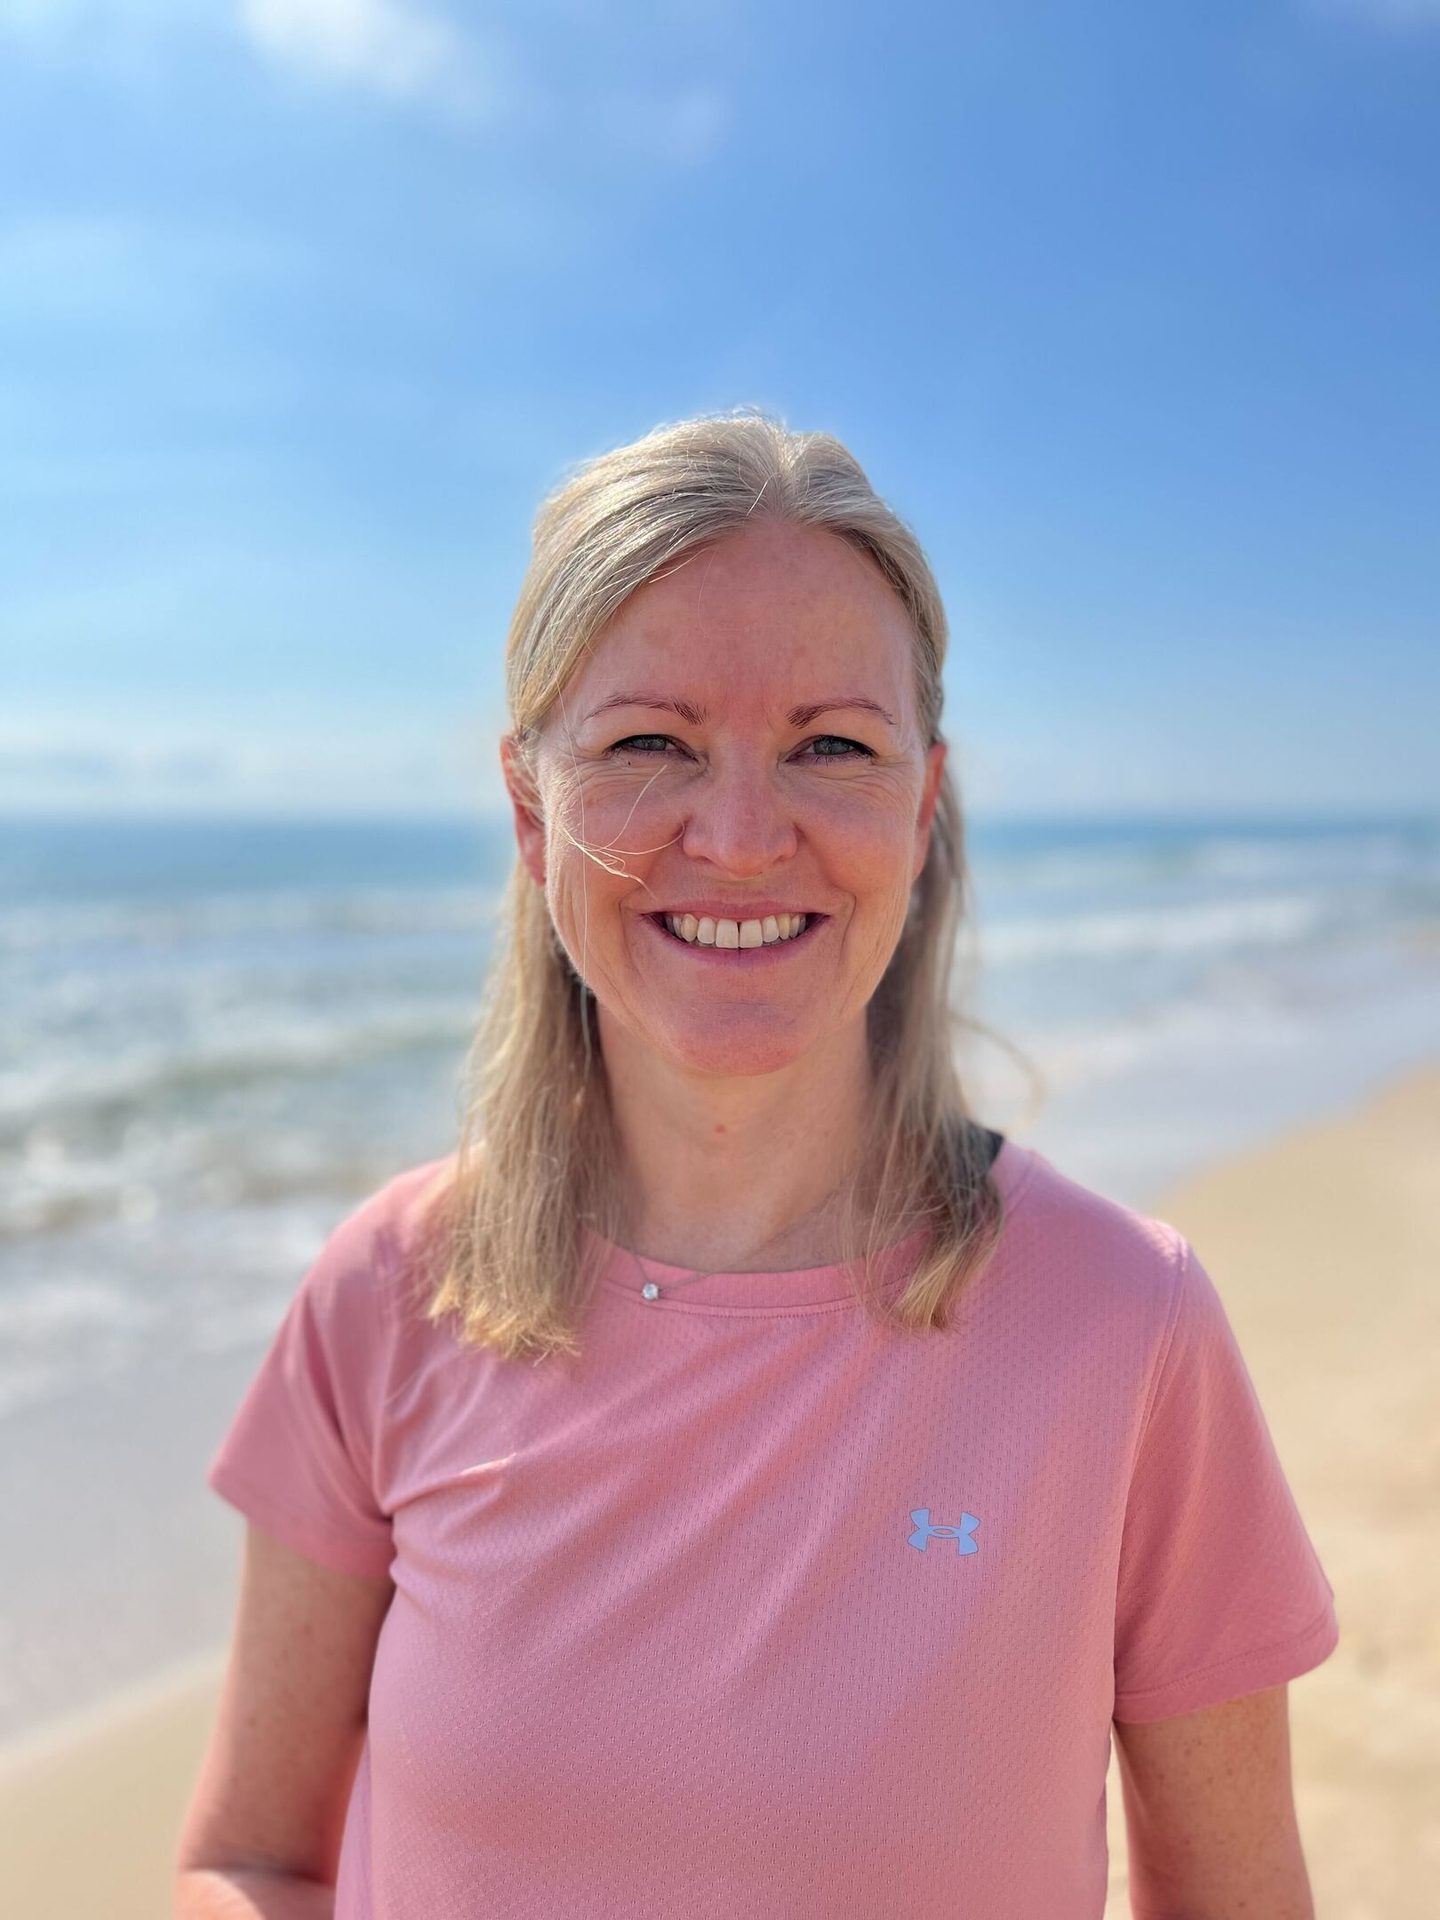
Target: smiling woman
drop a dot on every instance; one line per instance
(747, 585)
(737, 1481)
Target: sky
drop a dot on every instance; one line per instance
(1131, 310)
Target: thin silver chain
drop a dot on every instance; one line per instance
(651, 1289)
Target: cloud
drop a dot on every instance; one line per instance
(76, 772)
(679, 127)
(405, 50)
(393, 47)
(689, 127)
(542, 77)
(420, 765)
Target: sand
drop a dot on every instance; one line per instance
(1325, 1246)
(1326, 1250)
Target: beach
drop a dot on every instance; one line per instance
(1324, 1242)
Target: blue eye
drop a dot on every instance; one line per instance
(629, 746)
(852, 747)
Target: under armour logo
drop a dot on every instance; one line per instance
(964, 1534)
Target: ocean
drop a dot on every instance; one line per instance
(217, 1036)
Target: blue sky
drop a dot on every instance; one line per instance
(1133, 310)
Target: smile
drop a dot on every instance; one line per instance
(765, 954)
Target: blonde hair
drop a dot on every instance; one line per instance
(538, 1155)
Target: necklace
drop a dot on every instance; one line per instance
(651, 1289)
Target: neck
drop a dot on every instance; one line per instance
(741, 1175)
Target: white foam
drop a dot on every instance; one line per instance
(1189, 927)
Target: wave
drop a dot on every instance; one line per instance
(1192, 927)
(178, 922)
(1134, 856)
(104, 1090)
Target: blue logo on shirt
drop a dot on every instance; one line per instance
(963, 1535)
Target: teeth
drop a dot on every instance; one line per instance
(706, 932)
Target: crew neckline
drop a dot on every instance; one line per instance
(793, 1290)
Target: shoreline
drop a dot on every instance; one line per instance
(1323, 1242)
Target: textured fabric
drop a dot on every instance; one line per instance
(757, 1611)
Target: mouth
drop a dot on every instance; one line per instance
(763, 955)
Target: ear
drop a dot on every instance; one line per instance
(525, 800)
(929, 798)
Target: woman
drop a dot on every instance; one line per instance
(735, 1482)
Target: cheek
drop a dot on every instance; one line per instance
(869, 856)
(578, 894)
(868, 848)
(605, 832)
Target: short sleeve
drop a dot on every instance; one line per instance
(1220, 1592)
(298, 1457)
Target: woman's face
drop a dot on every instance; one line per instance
(690, 754)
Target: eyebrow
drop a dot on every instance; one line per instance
(800, 716)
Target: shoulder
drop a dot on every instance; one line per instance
(1093, 1248)
(367, 1256)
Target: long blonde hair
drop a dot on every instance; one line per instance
(538, 1154)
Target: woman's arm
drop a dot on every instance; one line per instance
(1210, 1813)
(250, 1893)
(261, 1837)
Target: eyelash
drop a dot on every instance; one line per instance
(623, 746)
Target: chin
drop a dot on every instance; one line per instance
(731, 1056)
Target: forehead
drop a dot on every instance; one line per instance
(769, 606)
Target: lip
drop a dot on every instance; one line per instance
(761, 956)
(756, 910)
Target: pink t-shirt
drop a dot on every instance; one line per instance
(757, 1611)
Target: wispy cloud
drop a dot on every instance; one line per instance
(393, 47)
(414, 767)
(409, 53)
(403, 50)
(683, 128)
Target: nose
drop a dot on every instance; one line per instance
(738, 818)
